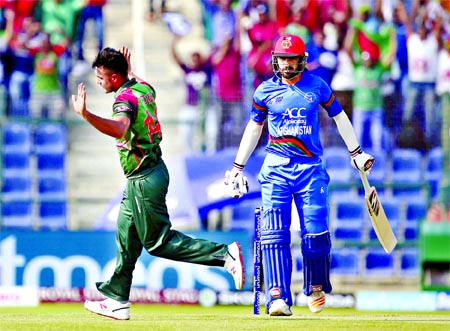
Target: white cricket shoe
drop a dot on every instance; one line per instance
(235, 265)
(279, 307)
(316, 301)
(109, 308)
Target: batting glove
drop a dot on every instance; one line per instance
(361, 161)
(236, 182)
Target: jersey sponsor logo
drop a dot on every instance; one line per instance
(294, 116)
(294, 122)
(294, 113)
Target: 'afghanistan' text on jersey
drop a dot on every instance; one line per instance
(292, 113)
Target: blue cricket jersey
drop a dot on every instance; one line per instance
(292, 113)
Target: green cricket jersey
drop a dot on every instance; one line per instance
(139, 148)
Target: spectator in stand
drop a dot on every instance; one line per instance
(246, 17)
(387, 43)
(343, 84)
(297, 26)
(208, 8)
(338, 70)
(321, 61)
(92, 11)
(7, 18)
(23, 46)
(441, 207)
(283, 13)
(227, 80)
(47, 99)
(334, 16)
(370, 33)
(443, 80)
(152, 10)
(196, 112)
(368, 102)
(310, 12)
(22, 9)
(393, 119)
(262, 34)
(59, 20)
(423, 46)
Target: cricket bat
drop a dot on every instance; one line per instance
(380, 223)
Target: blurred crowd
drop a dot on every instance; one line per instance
(41, 44)
(388, 62)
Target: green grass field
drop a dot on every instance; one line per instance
(68, 317)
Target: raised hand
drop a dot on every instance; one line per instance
(79, 100)
(126, 52)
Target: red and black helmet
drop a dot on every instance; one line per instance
(289, 45)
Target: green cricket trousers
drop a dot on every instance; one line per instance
(143, 222)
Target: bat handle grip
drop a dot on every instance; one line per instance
(365, 182)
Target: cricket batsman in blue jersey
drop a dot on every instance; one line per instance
(293, 171)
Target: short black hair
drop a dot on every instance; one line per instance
(113, 60)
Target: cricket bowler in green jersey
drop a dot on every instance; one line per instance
(143, 220)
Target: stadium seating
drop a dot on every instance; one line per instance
(342, 175)
(17, 137)
(33, 171)
(345, 261)
(406, 165)
(415, 212)
(50, 138)
(349, 219)
(16, 188)
(51, 188)
(50, 165)
(17, 214)
(52, 215)
(378, 262)
(434, 169)
(407, 174)
(16, 165)
(297, 263)
(409, 262)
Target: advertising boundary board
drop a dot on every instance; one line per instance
(78, 259)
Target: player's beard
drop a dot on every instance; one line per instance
(289, 72)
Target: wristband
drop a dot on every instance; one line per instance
(356, 151)
(238, 166)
